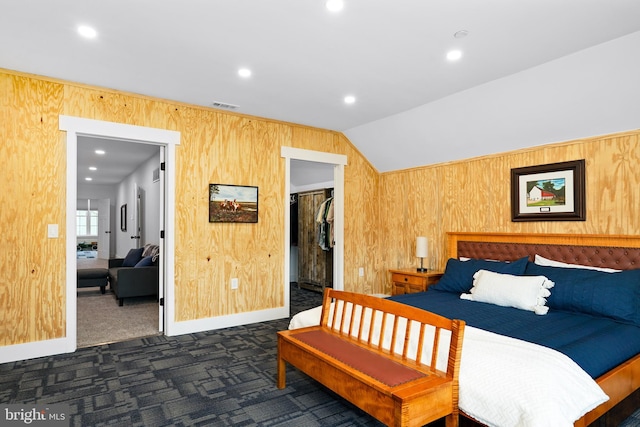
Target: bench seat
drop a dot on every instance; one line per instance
(344, 354)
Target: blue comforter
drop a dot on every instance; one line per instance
(596, 344)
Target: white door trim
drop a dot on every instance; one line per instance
(75, 126)
(339, 161)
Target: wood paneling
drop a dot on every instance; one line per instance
(383, 213)
(33, 173)
(362, 220)
(474, 195)
(216, 147)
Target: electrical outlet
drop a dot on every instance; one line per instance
(361, 271)
(234, 283)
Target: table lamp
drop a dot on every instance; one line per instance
(421, 252)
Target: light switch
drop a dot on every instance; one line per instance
(52, 231)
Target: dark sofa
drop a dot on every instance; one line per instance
(136, 275)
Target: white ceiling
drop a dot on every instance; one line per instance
(119, 160)
(389, 54)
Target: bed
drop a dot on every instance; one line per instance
(588, 321)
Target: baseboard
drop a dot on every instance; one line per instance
(32, 350)
(220, 322)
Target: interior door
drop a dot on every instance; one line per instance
(137, 217)
(104, 228)
(161, 263)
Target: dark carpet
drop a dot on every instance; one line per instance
(217, 378)
(224, 377)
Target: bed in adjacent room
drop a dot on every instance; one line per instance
(548, 341)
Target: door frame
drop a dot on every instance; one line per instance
(75, 126)
(339, 161)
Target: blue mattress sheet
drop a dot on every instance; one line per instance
(596, 344)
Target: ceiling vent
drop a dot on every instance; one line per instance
(225, 106)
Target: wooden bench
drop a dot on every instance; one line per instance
(380, 368)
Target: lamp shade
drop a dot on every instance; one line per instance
(421, 247)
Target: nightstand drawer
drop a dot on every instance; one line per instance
(409, 279)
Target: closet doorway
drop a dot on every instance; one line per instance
(312, 235)
(305, 162)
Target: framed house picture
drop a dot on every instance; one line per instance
(233, 203)
(551, 192)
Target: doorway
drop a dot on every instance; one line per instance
(323, 160)
(167, 140)
(119, 173)
(311, 240)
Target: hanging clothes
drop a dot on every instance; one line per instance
(325, 227)
(329, 219)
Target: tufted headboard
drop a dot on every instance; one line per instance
(619, 252)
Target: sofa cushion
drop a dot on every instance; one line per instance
(132, 257)
(145, 262)
(150, 250)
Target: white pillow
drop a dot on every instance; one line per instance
(540, 260)
(523, 292)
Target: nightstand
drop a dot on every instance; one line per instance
(409, 281)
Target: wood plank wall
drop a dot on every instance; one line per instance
(216, 147)
(383, 212)
(33, 177)
(474, 195)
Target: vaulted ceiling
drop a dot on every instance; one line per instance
(389, 55)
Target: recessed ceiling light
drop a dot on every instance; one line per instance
(87, 32)
(334, 5)
(244, 72)
(93, 168)
(349, 99)
(88, 178)
(454, 55)
(101, 152)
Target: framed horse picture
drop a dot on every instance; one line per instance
(233, 203)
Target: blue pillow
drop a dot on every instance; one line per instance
(145, 262)
(458, 276)
(132, 257)
(612, 295)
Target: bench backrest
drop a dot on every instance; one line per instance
(400, 331)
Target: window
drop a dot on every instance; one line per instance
(86, 223)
